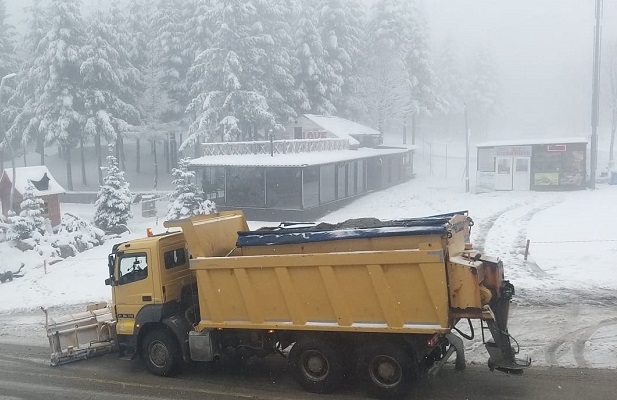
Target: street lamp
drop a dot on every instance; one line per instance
(4, 78)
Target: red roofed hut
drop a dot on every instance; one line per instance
(45, 187)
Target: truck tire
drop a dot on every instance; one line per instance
(316, 365)
(161, 353)
(389, 370)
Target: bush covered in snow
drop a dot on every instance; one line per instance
(113, 203)
(75, 235)
(30, 221)
(187, 199)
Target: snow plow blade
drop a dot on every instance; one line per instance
(83, 335)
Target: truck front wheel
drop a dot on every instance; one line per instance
(389, 370)
(160, 352)
(316, 365)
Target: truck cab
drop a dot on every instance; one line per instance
(151, 281)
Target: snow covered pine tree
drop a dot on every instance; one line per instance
(113, 203)
(30, 221)
(187, 199)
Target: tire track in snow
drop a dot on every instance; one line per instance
(575, 341)
(515, 218)
(485, 226)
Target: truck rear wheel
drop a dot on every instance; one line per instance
(316, 365)
(160, 352)
(389, 370)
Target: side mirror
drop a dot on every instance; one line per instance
(110, 263)
(108, 282)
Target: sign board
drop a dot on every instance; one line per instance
(316, 134)
(513, 151)
(485, 182)
(556, 147)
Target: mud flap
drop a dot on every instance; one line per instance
(82, 335)
(456, 346)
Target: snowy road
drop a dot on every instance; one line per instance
(25, 374)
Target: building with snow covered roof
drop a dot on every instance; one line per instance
(326, 162)
(532, 164)
(45, 187)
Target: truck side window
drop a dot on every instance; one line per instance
(132, 267)
(174, 258)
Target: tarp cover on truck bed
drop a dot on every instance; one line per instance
(350, 229)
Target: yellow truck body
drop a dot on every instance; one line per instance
(391, 283)
(384, 296)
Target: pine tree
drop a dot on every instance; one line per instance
(387, 93)
(314, 77)
(113, 203)
(280, 63)
(110, 83)
(341, 31)
(30, 220)
(8, 57)
(419, 66)
(25, 123)
(230, 104)
(59, 104)
(8, 65)
(451, 87)
(482, 93)
(187, 199)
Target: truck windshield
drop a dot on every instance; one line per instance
(132, 267)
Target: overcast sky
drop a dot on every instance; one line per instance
(542, 50)
(543, 53)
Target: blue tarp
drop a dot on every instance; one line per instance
(433, 225)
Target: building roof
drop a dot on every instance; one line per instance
(295, 159)
(532, 141)
(36, 175)
(342, 128)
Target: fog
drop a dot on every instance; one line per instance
(542, 53)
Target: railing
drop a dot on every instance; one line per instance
(276, 147)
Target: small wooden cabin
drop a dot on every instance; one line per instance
(46, 188)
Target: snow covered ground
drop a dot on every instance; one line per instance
(565, 310)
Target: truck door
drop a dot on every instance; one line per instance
(503, 177)
(175, 273)
(133, 289)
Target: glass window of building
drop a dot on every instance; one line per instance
(341, 184)
(351, 178)
(284, 188)
(360, 176)
(327, 186)
(245, 186)
(213, 182)
(486, 159)
(311, 186)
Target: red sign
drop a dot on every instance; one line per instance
(556, 147)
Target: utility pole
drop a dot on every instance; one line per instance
(466, 152)
(595, 97)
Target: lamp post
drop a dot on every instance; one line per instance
(4, 78)
(466, 151)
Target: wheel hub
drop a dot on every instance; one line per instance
(385, 371)
(158, 353)
(315, 365)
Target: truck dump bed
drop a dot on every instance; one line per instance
(391, 276)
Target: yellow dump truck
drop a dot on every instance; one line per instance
(376, 298)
